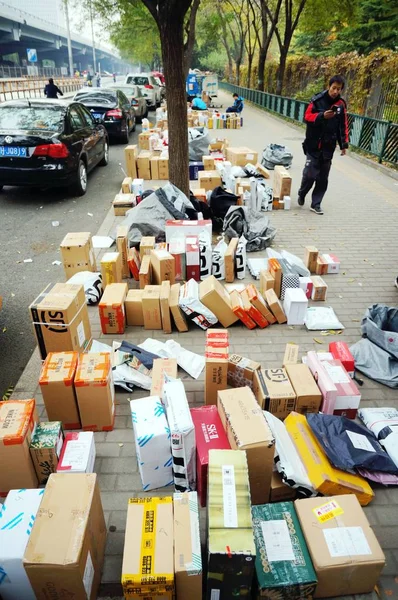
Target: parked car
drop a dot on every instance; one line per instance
(162, 87)
(137, 99)
(148, 85)
(113, 108)
(49, 143)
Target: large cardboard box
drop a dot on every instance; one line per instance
(187, 548)
(345, 552)
(65, 553)
(95, 391)
(151, 307)
(210, 435)
(280, 492)
(275, 306)
(148, 556)
(122, 203)
(163, 169)
(247, 429)
(213, 295)
(152, 443)
(133, 307)
(162, 367)
(122, 246)
(283, 565)
(178, 315)
(155, 167)
(111, 308)
(231, 549)
(56, 384)
(60, 319)
(165, 306)
(111, 268)
(308, 394)
(241, 371)
(145, 274)
(282, 182)
(209, 180)
(229, 259)
(17, 515)
(77, 253)
(163, 267)
(324, 478)
(144, 163)
(274, 392)
(78, 453)
(240, 156)
(18, 419)
(216, 366)
(130, 155)
(45, 448)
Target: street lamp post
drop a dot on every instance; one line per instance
(92, 36)
(70, 56)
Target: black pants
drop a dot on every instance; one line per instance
(316, 170)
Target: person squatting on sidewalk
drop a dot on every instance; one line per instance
(327, 124)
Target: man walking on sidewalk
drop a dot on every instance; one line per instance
(327, 124)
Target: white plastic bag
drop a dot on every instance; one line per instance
(92, 283)
(383, 423)
(296, 263)
(191, 305)
(218, 259)
(192, 363)
(322, 317)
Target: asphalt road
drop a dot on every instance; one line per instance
(26, 232)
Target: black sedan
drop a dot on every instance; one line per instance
(49, 143)
(113, 108)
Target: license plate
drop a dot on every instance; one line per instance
(98, 115)
(13, 151)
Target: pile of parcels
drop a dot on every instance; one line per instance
(214, 119)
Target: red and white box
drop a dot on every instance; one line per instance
(192, 258)
(324, 382)
(210, 435)
(348, 395)
(177, 251)
(332, 262)
(184, 228)
(307, 286)
(341, 351)
(78, 453)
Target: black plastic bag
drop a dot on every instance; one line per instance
(220, 203)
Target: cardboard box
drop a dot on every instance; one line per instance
(78, 453)
(209, 180)
(60, 319)
(324, 478)
(162, 366)
(147, 244)
(111, 308)
(327, 264)
(348, 396)
(122, 203)
(77, 253)
(145, 274)
(282, 182)
(183, 228)
(319, 289)
(263, 171)
(208, 163)
(231, 549)
(155, 167)
(274, 392)
(275, 306)
(255, 314)
(95, 391)
(57, 388)
(17, 515)
(143, 140)
(200, 194)
(307, 286)
(177, 251)
(308, 394)
(111, 268)
(130, 156)
(18, 419)
(144, 162)
(134, 263)
(122, 246)
(163, 267)
(133, 308)
(65, 553)
(187, 548)
(310, 258)
(240, 156)
(152, 443)
(241, 371)
(283, 565)
(213, 295)
(340, 351)
(163, 169)
(324, 382)
(280, 492)
(345, 552)
(216, 366)
(45, 448)
(257, 300)
(165, 306)
(151, 307)
(192, 258)
(239, 310)
(229, 259)
(178, 315)
(148, 556)
(126, 185)
(295, 306)
(247, 429)
(291, 354)
(275, 270)
(267, 282)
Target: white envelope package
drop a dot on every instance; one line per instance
(383, 423)
(191, 305)
(152, 442)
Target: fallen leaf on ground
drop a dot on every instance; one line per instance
(317, 341)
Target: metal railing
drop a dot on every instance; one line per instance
(34, 88)
(373, 136)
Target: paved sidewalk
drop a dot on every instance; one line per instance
(360, 226)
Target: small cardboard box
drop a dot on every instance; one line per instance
(130, 156)
(275, 270)
(143, 140)
(163, 169)
(208, 180)
(66, 551)
(178, 315)
(192, 257)
(145, 274)
(319, 289)
(255, 314)
(216, 366)
(275, 305)
(95, 391)
(200, 194)
(210, 435)
(267, 282)
(280, 492)
(177, 251)
(282, 182)
(239, 310)
(45, 448)
(151, 307)
(78, 453)
(241, 371)
(122, 246)
(155, 167)
(111, 308)
(295, 306)
(60, 319)
(165, 289)
(152, 443)
(187, 548)
(291, 354)
(126, 185)
(345, 552)
(283, 565)
(56, 384)
(240, 156)
(213, 295)
(327, 264)
(17, 515)
(229, 259)
(263, 171)
(133, 307)
(147, 244)
(77, 253)
(247, 429)
(144, 162)
(162, 366)
(18, 419)
(308, 394)
(274, 392)
(257, 300)
(163, 267)
(208, 163)
(111, 268)
(122, 203)
(324, 478)
(310, 258)
(134, 263)
(148, 556)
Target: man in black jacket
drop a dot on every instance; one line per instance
(327, 124)
(51, 90)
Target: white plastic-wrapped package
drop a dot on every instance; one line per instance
(191, 305)
(218, 259)
(192, 363)
(92, 283)
(240, 258)
(205, 255)
(322, 317)
(383, 423)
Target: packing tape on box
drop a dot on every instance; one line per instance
(55, 324)
(54, 366)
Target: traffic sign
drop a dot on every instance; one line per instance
(32, 54)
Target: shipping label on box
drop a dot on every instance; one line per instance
(241, 371)
(78, 453)
(274, 392)
(111, 268)
(95, 391)
(57, 387)
(187, 548)
(77, 253)
(45, 449)
(111, 308)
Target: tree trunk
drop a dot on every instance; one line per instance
(249, 70)
(281, 72)
(238, 65)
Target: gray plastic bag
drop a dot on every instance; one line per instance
(375, 363)
(254, 226)
(380, 326)
(275, 154)
(198, 143)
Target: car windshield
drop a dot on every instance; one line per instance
(127, 90)
(49, 118)
(96, 98)
(139, 80)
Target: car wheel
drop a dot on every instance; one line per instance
(145, 115)
(124, 136)
(105, 159)
(133, 129)
(1, 187)
(80, 186)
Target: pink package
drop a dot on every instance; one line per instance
(348, 395)
(324, 381)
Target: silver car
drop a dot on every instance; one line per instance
(137, 99)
